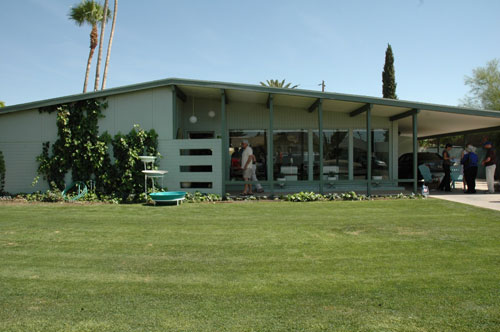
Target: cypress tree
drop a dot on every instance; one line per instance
(389, 76)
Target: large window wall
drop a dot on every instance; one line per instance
(296, 154)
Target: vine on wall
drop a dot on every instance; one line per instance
(80, 149)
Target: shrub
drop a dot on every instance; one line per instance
(198, 197)
(304, 197)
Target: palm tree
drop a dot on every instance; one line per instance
(278, 84)
(90, 12)
(105, 75)
(99, 53)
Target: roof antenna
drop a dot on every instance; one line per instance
(322, 85)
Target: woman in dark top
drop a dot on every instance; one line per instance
(470, 161)
(445, 183)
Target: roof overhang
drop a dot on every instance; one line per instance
(432, 119)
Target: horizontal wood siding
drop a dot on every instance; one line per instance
(21, 137)
(21, 167)
(150, 109)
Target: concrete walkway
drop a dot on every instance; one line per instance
(489, 201)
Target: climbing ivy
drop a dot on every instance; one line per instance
(2, 173)
(127, 166)
(80, 149)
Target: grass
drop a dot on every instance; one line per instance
(403, 265)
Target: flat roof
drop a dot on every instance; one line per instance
(433, 119)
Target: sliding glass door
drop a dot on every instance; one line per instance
(335, 154)
(379, 157)
(257, 140)
(290, 154)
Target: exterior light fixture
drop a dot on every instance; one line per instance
(211, 114)
(193, 118)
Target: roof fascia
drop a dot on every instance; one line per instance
(253, 88)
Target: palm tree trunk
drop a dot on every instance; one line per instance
(105, 74)
(93, 45)
(99, 56)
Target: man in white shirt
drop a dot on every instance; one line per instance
(246, 165)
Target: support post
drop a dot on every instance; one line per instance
(351, 156)
(270, 160)
(369, 150)
(415, 153)
(320, 131)
(224, 144)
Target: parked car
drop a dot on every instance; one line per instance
(433, 160)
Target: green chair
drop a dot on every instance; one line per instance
(426, 173)
(456, 175)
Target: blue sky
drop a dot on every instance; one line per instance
(435, 43)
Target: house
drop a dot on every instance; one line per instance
(317, 141)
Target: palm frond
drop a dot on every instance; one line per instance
(279, 84)
(88, 12)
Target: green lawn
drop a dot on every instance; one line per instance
(400, 265)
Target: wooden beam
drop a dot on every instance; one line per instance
(224, 141)
(404, 114)
(270, 147)
(360, 110)
(369, 150)
(180, 94)
(321, 152)
(314, 105)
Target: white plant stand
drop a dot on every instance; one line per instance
(151, 173)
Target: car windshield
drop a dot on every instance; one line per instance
(427, 156)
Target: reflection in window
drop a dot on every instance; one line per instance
(258, 142)
(380, 154)
(290, 154)
(335, 154)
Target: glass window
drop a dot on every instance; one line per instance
(335, 154)
(290, 154)
(380, 154)
(258, 142)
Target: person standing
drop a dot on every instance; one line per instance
(464, 152)
(470, 161)
(489, 163)
(445, 183)
(246, 165)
